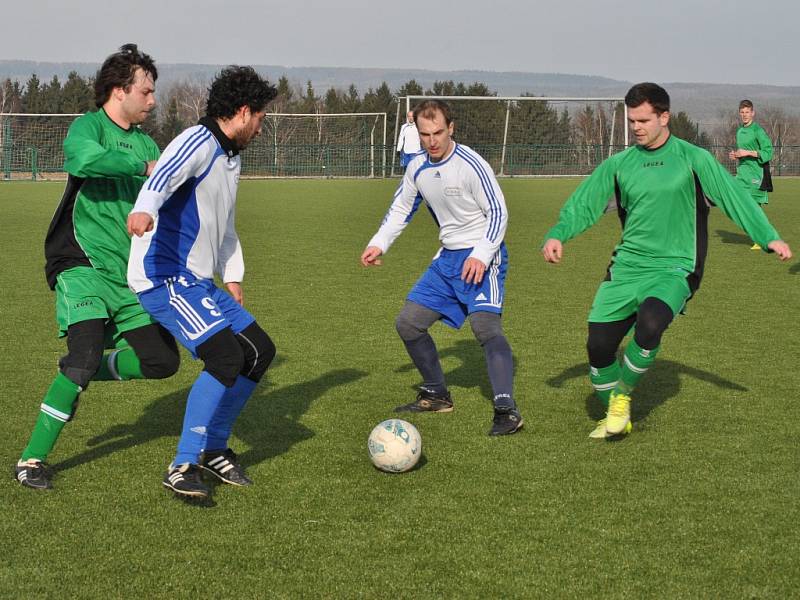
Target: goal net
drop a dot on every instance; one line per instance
(31, 144)
(535, 136)
(319, 145)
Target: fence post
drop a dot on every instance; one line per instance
(7, 148)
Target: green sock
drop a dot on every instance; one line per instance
(635, 363)
(119, 365)
(603, 380)
(56, 410)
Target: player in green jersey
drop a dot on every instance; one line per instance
(753, 153)
(107, 158)
(664, 188)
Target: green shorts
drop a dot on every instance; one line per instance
(620, 297)
(84, 293)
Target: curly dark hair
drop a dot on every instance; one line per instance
(653, 93)
(119, 70)
(236, 87)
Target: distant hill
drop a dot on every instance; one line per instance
(702, 101)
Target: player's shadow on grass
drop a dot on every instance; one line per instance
(470, 373)
(661, 383)
(731, 237)
(270, 423)
(795, 269)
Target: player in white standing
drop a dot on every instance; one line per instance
(408, 140)
(183, 227)
(467, 275)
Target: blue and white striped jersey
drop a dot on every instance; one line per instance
(464, 197)
(191, 195)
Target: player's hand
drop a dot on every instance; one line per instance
(473, 271)
(732, 154)
(369, 258)
(235, 289)
(552, 250)
(139, 223)
(781, 248)
(151, 164)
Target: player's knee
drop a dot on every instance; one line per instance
(223, 356)
(85, 343)
(485, 326)
(258, 349)
(162, 361)
(652, 320)
(601, 348)
(407, 328)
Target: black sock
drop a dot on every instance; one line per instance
(425, 357)
(500, 364)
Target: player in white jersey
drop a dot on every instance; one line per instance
(183, 227)
(467, 275)
(408, 140)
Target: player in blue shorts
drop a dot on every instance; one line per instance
(183, 227)
(467, 275)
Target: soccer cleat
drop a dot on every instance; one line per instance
(185, 480)
(427, 401)
(507, 420)
(599, 432)
(619, 413)
(755, 247)
(34, 474)
(223, 464)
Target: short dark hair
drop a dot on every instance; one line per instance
(745, 104)
(236, 87)
(428, 108)
(119, 70)
(649, 92)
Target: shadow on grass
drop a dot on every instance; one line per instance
(661, 383)
(470, 373)
(795, 269)
(731, 237)
(270, 423)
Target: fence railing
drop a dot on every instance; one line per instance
(28, 161)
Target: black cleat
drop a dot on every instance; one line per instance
(34, 474)
(185, 480)
(507, 420)
(428, 401)
(223, 464)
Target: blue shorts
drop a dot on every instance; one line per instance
(406, 158)
(441, 289)
(194, 311)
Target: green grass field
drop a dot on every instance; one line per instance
(701, 501)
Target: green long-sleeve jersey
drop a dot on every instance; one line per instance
(105, 166)
(661, 199)
(750, 169)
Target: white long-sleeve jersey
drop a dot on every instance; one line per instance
(191, 195)
(408, 139)
(464, 197)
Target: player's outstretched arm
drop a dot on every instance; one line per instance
(369, 258)
(553, 250)
(781, 249)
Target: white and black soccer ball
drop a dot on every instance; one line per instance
(395, 446)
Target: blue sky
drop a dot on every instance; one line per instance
(710, 41)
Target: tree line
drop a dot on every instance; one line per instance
(182, 103)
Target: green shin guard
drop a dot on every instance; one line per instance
(603, 380)
(119, 365)
(635, 364)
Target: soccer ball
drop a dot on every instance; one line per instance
(395, 446)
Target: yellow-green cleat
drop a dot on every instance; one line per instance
(600, 433)
(619, 413)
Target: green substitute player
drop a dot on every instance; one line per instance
(664, 188)
(107, 158)
(753, 151)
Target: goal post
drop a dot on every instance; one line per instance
(536, 135)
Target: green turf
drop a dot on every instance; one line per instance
(701, 501)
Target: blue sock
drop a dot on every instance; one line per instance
(204, 398)
(232, 403)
